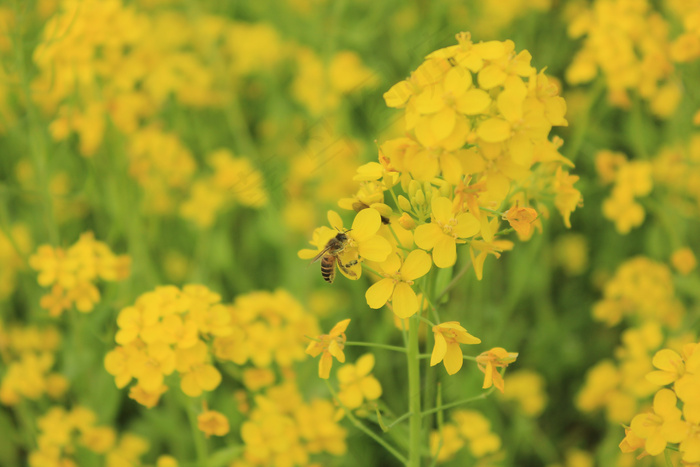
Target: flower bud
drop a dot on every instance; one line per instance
(419, 198)
(407, 221)
(404, 203)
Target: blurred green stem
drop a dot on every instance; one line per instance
(379, 346)
(363, 428)
(414, 403)
(584, 120)
(200, 444)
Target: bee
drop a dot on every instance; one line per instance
(329, 256)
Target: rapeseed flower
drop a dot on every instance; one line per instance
(489, 362)
(211, 422)
(328, 346)
(396, 285)
(448, 336)
(357, 384)
(662, 426)
(445, 230)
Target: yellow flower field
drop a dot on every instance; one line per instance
(312, 233)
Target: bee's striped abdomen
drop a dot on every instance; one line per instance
(328, 268)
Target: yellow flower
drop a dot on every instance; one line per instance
(330, 345)
(521, 220)
(684, 260)
(444, 231)
(396, 285)
(670, 367)
(357, 384)
(489, 362)
(212, 422)
(448, 336)
(662, 426)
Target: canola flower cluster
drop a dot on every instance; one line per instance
(93, 73)
(170, 330)
(669, 422)
(466, 428)
(628, 43)
(29, 354)
(62, 431)
(673, 173)
(643, 290)
(284, 430)
(71, 273)
(655, 351)
(476, 151)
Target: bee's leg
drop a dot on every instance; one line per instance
(345, 267)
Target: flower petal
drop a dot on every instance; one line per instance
(364, 364)
(467, 225)
(376, 248)
(371, 388)
(404, 301)
(366, 224)
(439, 349)
(453, 358)
(445, 252)
(442, 208)
(378, 294)
(427, 235)
(417, 265)
(335, 220)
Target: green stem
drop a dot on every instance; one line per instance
(379, 346)
(398, 420)
(584, 121)
(667, 456)
(200, 444)
(360, 426)
(414, 402)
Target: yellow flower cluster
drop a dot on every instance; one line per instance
(629, 43)
(284, 430)
(641, 289)
(101, 59)
(477, 118)
(631, 179)
(686, 47)
(320, 87)
(13, 245)
(669, 422)
(162, 165)
(72, 273)
(170, 330)
(357, 384)
(266, 328)
(476, 151)
(677, 170)
(619, 387)
(234, 180)
(468, 427)
(526, 388)
(167, 330)
(28, 354)
(61, 432)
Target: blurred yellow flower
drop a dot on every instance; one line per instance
(357, 384)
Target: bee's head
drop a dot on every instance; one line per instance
(342, 236)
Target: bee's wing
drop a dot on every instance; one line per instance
(321, 254)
